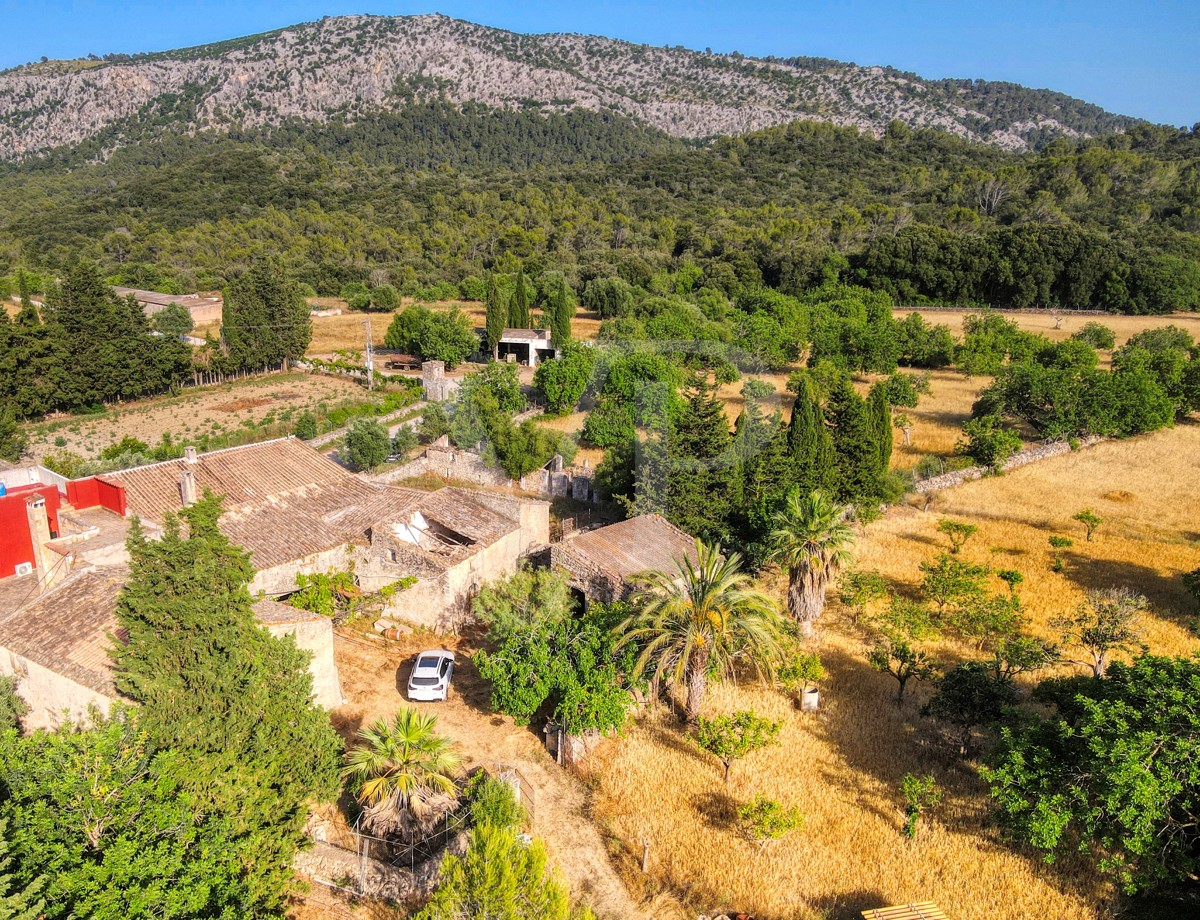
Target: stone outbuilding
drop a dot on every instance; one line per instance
(526, 346)
(603, 562)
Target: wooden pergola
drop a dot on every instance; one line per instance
(924, 910)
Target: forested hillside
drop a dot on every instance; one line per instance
(436, 194)
(359, 67)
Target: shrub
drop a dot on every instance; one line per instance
(366, 445)
(920, 793)
(12, 708)
(404, 440)
(988, 442)
(494, 802)
(434, 423)
(763, 820)
(1097, 335)
(305, 426)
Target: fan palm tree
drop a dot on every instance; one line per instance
(700, 620)
(402, 769)
(812, 537)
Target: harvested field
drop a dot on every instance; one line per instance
(842, 766)
(938, 418)
(1149, 536)
(197, 411)
(1043, 322)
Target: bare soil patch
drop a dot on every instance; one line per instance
(374, 675)
(197, 411)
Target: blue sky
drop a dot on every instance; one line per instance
(1137, 57)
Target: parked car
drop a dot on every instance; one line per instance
(430, 678)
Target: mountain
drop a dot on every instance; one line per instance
(351, 68)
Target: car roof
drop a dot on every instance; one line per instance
(437, 653)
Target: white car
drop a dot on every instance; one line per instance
(430, 678)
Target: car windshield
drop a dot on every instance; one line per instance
(424, 681)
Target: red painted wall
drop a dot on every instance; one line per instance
(92, 492)
(16, 545)
(111, 495)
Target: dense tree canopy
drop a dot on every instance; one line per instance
(1114, 771)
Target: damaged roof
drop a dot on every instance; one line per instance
(284, 501)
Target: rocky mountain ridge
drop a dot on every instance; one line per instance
(351, 66)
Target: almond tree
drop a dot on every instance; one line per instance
(1110, 620)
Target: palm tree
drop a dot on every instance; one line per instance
(402, 769)
(702, 619)
(811, 538)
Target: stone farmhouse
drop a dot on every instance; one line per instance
(296, 511)
(293, 509)
(59, 644)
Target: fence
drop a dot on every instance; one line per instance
(410, 853)
(508, 773)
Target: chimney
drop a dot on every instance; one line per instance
(189, 454)
(39, 535)
(187, 486)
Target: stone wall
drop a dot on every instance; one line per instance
(467, 466)
(1032, 455)
(281, 579)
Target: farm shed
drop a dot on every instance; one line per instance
(602, 562)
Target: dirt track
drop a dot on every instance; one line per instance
(373, 677)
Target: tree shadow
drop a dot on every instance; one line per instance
(1168, 599)
(663, 736)
(346, 721)
(718, 809)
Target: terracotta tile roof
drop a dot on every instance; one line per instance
(68, 630)
(242, 474)
(284, 501)
(462, 512)
(644, 543)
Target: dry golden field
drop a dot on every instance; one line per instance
(1044, 322)
(842, 766)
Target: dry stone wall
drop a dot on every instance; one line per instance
(1032, 455)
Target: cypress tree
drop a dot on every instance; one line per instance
(559, 306)
(27, 316)
(698, 448)
(265, 321)
(518, 310)
(855, 445)
(497, 316)
(231, 702)
(809, 446)
(881, 419)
